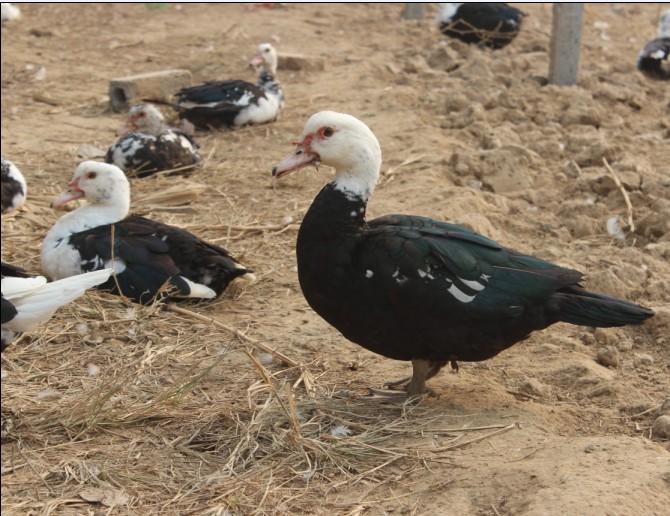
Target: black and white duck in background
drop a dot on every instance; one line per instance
(146, 255)
(235, 103)
(492, 25)
(147, 145)
(14, 187)
(411, 288)
(27, 302)
(654, 61)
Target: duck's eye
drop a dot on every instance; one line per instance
(91, 175)
(328, 131)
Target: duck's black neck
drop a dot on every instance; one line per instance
(268, 83)
(332, 214)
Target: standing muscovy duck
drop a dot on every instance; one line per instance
(411, 288)
(147, 145)
(235, 103)
(27, 302)
(492, 25)
(653, 59)
(14, 187)
(150, 259)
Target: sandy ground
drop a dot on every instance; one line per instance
(143, 410)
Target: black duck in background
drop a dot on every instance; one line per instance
(653, 59)
(492, 25)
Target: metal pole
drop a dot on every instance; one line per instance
(413, 11)
(566, 35)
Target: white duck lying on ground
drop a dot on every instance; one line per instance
(150, 259)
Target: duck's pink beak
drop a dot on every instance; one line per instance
(72, 193)
(128, 128)
(257, 60)
(302, 157)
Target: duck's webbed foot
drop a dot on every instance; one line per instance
(412, 386)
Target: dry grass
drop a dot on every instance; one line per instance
(191, 420)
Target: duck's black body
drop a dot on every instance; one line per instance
(409, 288)
(223, 103)
(142, 155)
(153, 254)
(492, 24)
(412, 288)
(653, 60)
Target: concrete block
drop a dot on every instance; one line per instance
(300, 62)
(124, 92)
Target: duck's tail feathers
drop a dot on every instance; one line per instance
(591, 309)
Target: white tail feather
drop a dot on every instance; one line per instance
(198, 290)
(36, 300)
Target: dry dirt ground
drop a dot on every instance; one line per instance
(112, 408)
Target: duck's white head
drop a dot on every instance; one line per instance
(340, 141)
(265, 59)
(100, 183)
(144, 118)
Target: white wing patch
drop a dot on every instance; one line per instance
(474, 286)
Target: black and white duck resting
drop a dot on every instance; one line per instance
(412, 288)
(654, 61)
(28, 302)
(486, 24)
(147, 256)
(147, 145)
(14, 188)
(234, 103)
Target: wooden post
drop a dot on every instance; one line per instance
(566, 35)
(413, 11)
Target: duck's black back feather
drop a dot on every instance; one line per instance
(230, 91)
(409, 287)
(216, 103)
(156, 255)
(653, 60)
(490, 24)
(7, 269)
